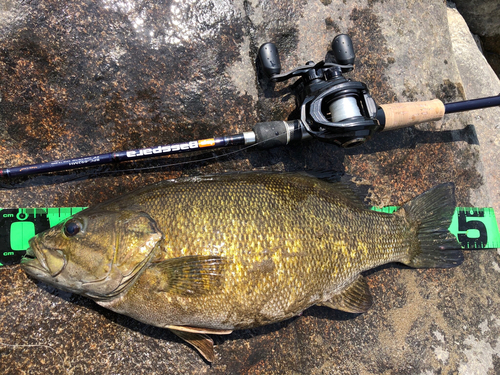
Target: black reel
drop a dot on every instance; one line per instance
(332, 107)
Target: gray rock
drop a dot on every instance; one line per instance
(479, 80)
(482, 16)
(85, 77)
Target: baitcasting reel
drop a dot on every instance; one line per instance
(332, 107)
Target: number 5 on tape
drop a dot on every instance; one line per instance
(475, 228)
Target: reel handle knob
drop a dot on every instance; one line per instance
(270, 59)
(343, 50)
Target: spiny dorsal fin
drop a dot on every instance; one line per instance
(350, 194)
(356, 298)
(201, 342)
(355, 189)
(192, 275)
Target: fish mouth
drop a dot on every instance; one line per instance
(42, 261)
(34, 262)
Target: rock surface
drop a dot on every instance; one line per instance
(479, 80)
(84, 77)
(483, 18)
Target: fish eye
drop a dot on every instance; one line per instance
(72, 228)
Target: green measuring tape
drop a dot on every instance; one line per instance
(18, 225)
(475, 228)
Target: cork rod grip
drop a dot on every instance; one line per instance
(400, 115)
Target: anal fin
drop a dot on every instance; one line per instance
(202, 343)
(356, 298)
(196, 336)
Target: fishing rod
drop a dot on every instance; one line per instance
(333, 109)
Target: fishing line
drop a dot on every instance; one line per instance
(344, 108)
(59, 179)
(153, 167)
(332, 108)
(24, 346)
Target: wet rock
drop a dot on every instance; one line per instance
(85, 77)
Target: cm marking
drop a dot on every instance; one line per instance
(8, 253)
(8, 215)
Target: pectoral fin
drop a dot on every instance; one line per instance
(201, 342)
(192, 275)
(356, 298)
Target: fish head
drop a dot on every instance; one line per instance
(93, 253)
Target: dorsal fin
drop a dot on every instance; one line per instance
(355, 189)
(350, 194)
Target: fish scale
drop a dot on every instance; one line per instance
(217, 253)
(222, 209)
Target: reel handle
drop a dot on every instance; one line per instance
(270, 59)
(342, 49)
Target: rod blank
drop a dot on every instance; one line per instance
(266, 134)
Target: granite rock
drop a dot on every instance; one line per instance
(479, 80)
(483, 18)
(85, 77)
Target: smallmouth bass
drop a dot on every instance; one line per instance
(209, 255)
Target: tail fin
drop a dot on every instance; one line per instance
(432, 212)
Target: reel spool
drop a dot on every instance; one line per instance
(332, 108)
(344, 108)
